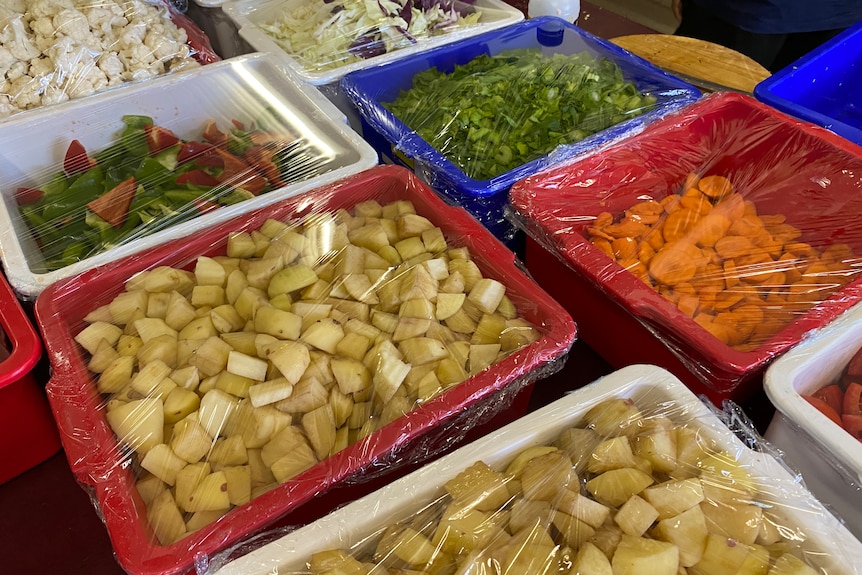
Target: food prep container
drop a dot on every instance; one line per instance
(791, 171)
(358, 526)
(829, 458)
(822, 86)
(486, 199)
(248, 15)
(243, 89)
(28, 434)
(490, 398)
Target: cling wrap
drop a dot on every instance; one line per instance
(629, 475)
(52, 51)
(726, 229)
(121, 172)
(475, 117)
(269, 367)
(327, 38)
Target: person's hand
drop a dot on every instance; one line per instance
(676, 6)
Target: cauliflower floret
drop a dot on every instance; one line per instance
(41, 8)
(105, 17)
(19, 42)
(6, 60)
(16, 70)
(54, 95)
(43, 26)
(113, 67)
(74, 24)
(133, 34)
(137, 56)
(7, 108)
(26, 92)
(41, 67)
(163, 47)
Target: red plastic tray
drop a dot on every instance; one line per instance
(794, 168)
(483, 402)
(28, 435)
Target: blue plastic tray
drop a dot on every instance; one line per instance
(823, 87)
(486, 199)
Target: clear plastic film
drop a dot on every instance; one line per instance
(330, 37)
(270, 367)
(53, 51)
(725, 229)
(122, 172)
(479, 115)
(631, 474)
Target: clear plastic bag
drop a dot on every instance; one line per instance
(52, 51)
(268, 366)
(631, 474)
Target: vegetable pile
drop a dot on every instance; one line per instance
(327, 34)
(842, 402)
(150, 179)
(496, 113)
(741, 275)
(52, 51)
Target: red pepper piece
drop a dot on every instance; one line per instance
(213, 135)
(77, 161)
(197, 178)
(261, 159)
(853, 425)
(823, 408)
(201, 153)
(113, 205)
(831, 394)
(159, 138)
(24, 196)
(852, 404)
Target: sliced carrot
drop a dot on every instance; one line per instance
(678, 223)
(715, 186)
(113, 205)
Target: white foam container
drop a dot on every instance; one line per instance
(829, 458)
(249, 14)
(826, 541)
(32, 147)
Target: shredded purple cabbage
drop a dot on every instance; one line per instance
(368, 46)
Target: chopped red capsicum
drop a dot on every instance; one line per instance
(159, 139)
(113, 205)
(76, 160)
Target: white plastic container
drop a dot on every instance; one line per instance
(32, 147)
(566, 9)
(652, 388)
(249, 14)
(829, 458)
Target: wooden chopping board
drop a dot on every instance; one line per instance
(697, 59)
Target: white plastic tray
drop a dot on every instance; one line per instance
(32, 146)
(829, 458)
(248, 14)
(831, 545)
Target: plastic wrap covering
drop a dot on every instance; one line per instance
(299, 354)
(120, 172)
(816, 390)
(821, 86)
(726, 230)
(631, 475)
(52, 51)
(476, 116)
(326, 39)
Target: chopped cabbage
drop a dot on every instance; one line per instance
(325, 34)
